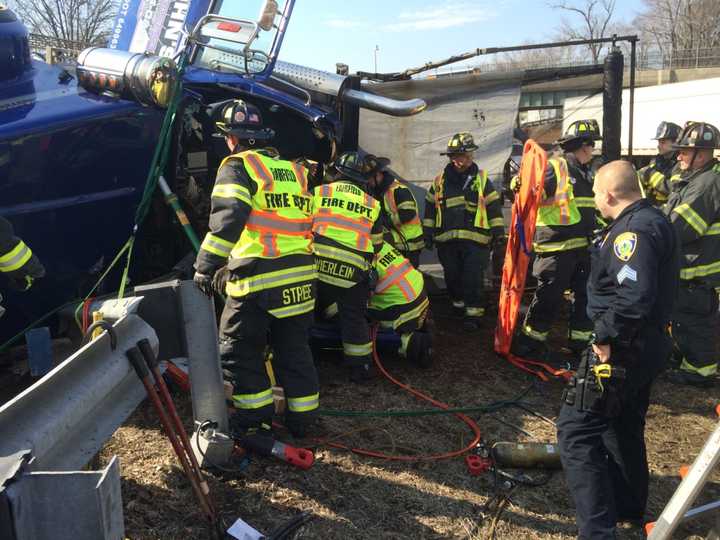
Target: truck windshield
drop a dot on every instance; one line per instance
(239, 38)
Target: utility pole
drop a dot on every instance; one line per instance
(375, 53)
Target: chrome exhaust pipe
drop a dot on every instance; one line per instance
(316, 80)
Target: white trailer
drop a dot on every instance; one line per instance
(678, 102)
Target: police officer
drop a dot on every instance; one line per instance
(347, 232)
(463, 216)
(565, 222)
(657, 176)
(399, 211)
(631, 289)
(694, 210)
(260, 226)
(17, 261)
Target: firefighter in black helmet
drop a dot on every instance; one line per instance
(260, 228)
(347, 233)
(565, 222)
(463, 217)
(694, 210)
(657, 177)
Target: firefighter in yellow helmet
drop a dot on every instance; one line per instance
(260, 226)
(463, 217)
(347, 232)
(566, 220)
(399, 211)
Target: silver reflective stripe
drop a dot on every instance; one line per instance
(279, 224)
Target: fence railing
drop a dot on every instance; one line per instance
(54, 50)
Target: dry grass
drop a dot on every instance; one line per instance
(356, 497)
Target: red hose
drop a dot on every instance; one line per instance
(417, 393)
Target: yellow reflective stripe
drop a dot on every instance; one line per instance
(539, 336)
(292, 311)
(355, 349)
(411, 314)
(452, 202)
(321, 250)
(270, 280)
(565, 245)
(461, 234)
(474, 311)
(376, 238)
(336, 281)
(692, 218)
(700, 271)
(413, 245)
(706, 371)
(253, 401)
(494, 196)
(15, 258)
(407, 205)
(304, 403)
(713, 229)
(231, 191)
(656, 179)
(585, 202)
(580, 335)
(216, 245)
(497, 222)
(404, 340)
(428, 222)
(430, 197)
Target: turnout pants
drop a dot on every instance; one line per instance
(555, 274)
(244, 328)
(413, 257)
(694, 327)
(464, 263)
(354, 327)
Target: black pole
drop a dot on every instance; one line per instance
(632, 97)
(612, 104)
(350, 119)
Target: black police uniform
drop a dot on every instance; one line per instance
(631, 290)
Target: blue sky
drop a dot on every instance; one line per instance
(412, 32)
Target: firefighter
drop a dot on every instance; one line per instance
(17, 261)
(566, 220)
(399, 301)
(634, 276)
(463, 216)
(260, 226)
(347, 232)
(657, 177)
(399, 211)
(694, 210)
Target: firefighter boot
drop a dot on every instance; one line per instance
(418, 349)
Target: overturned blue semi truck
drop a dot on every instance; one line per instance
(77, 140)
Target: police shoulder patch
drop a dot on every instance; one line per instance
(625, 245)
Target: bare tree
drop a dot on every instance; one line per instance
(595, 18)
(85, 22)
(681, 25)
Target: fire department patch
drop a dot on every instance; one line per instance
(624, 246)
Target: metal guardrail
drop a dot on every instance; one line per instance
(65, 418)
(55, 50)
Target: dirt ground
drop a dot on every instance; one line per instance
(353, 497)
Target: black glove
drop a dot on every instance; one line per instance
(204, 282)
(220, 280)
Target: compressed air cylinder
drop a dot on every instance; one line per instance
(532, 455)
